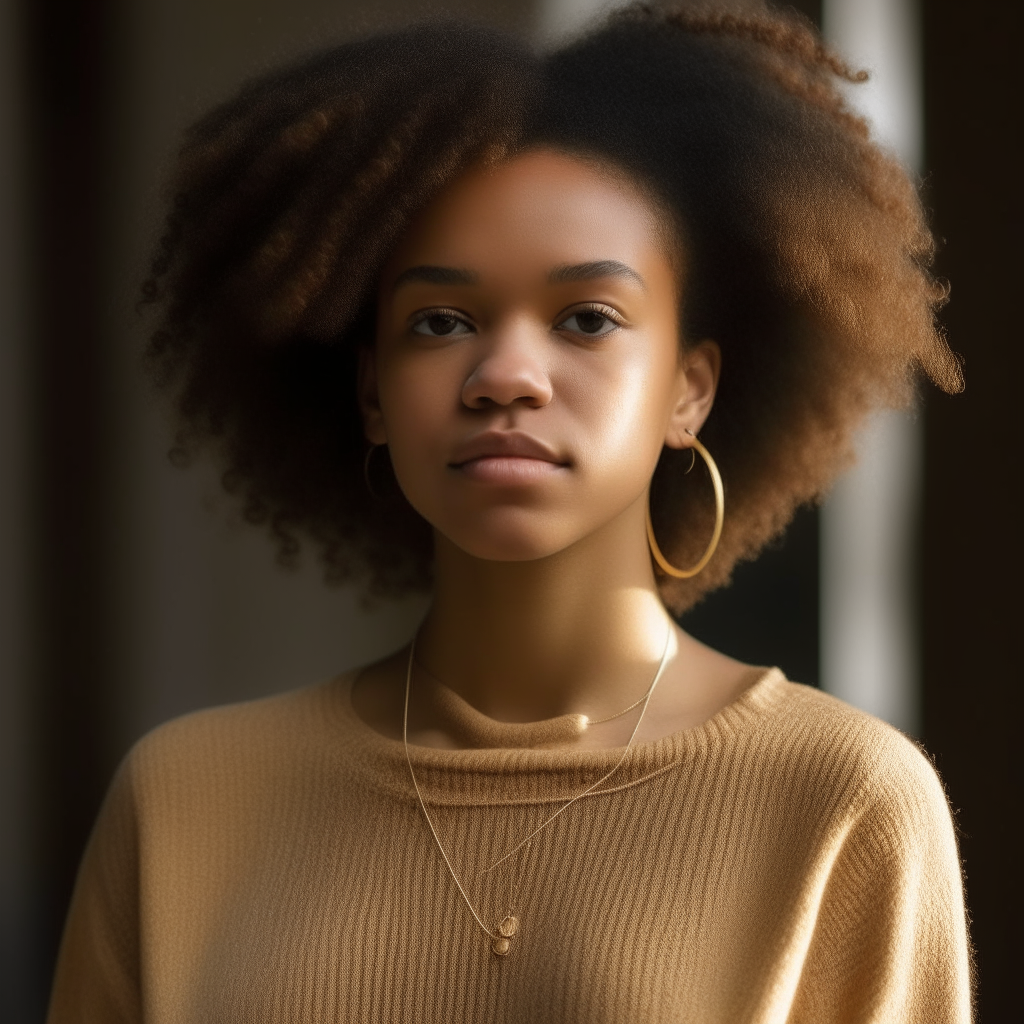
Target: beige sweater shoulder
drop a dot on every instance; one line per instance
(792, 859)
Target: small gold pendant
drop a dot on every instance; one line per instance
(501, 944)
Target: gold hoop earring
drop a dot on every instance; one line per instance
(366, 471)
(716, 481)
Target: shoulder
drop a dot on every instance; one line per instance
(817, 750)
(857, 815)
(246, 741)
(826, 747)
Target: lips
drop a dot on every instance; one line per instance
(506, 457)
(504, 444)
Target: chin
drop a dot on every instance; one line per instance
(500, 550)
(507, 546)
(516, 538)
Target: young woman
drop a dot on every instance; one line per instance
(458, 314)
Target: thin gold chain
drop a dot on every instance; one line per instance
(618, 714)
(579, 796)
(423, 806)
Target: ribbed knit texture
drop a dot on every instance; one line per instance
(790, 860)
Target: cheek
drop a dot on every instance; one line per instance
(418, 399)
(411, 402)
(414, 384)
(623, 406)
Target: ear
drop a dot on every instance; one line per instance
(696, 384)
(369, 401)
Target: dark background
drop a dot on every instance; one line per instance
(68, 78)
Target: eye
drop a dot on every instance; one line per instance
(440, 324)
(590, 322)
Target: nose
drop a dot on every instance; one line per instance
(511, 368)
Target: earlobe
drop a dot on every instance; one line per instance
(369, 401)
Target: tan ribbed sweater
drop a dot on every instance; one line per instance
(790, 860)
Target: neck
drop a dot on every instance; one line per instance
(582, 630)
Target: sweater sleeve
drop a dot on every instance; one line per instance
(98, 977)
(890, 942)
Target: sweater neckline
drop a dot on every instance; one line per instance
(527, 775)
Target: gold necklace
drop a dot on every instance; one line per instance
(501, 937)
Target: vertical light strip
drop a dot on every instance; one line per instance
(868, 527)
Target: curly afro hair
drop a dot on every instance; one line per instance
(806, 259)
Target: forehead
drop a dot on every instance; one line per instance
(541, 208)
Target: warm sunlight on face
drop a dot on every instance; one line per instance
(527, 369)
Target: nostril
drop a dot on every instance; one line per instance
(510, 370)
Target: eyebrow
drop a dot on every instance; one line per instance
(589, 271)
(435, 275)
(565, 274)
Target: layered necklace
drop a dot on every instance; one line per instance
(502, 933)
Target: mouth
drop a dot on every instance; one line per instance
(504, 457)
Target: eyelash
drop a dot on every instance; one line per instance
(586, 307)
(595, 307)
(426, 314)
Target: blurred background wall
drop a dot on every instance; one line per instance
(129, 593)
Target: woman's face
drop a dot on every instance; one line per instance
(528, 367)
